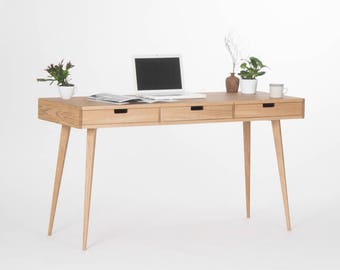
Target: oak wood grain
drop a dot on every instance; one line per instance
(282, 172)
(79, 112)
(90, 150)
(128, 115)
(257, 110)
(186, 113)
(64, 137)
(246, 143)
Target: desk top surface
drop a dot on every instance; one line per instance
(215, 98)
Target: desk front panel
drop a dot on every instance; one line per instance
(79, 112)
(269, 109)
(123, 115)
(196, 112)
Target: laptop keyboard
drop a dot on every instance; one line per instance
(179, 96)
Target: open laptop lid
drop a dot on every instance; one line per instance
(158, 74)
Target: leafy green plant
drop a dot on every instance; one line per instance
(58, 73)
(251, 68)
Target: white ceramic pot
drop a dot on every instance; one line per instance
(66, 92)
(248, 86)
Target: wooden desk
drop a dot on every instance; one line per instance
(79, 112)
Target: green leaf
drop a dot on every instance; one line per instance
(253, 62)
(243, 65)
(243, 74)
(251, 68)
(44, 80)
(69, 65)
(58, 73)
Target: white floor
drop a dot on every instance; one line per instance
(170, 235)
(187, 214)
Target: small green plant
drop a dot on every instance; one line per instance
(251, 68)
(58, 73)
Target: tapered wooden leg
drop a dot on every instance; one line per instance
(90, 149)
(246, 143)
(64, 136)
(281, 164)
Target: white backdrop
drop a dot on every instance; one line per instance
(169, 197)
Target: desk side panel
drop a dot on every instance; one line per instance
(60, 113)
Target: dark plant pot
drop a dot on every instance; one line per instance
(232, 83)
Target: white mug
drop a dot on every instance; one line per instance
(277, 90)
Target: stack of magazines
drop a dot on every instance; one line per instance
(120, 99)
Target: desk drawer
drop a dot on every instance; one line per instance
(269, 109)
(196, 112)
(120, 116)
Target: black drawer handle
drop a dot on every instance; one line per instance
(120, 110)
(268, 105)
(197, 108)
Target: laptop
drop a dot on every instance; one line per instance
(160, 78)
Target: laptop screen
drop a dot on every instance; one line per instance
(158, 73)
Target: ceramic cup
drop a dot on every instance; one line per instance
(277, 90)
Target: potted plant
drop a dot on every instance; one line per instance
(250, 70)
(58, 73)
